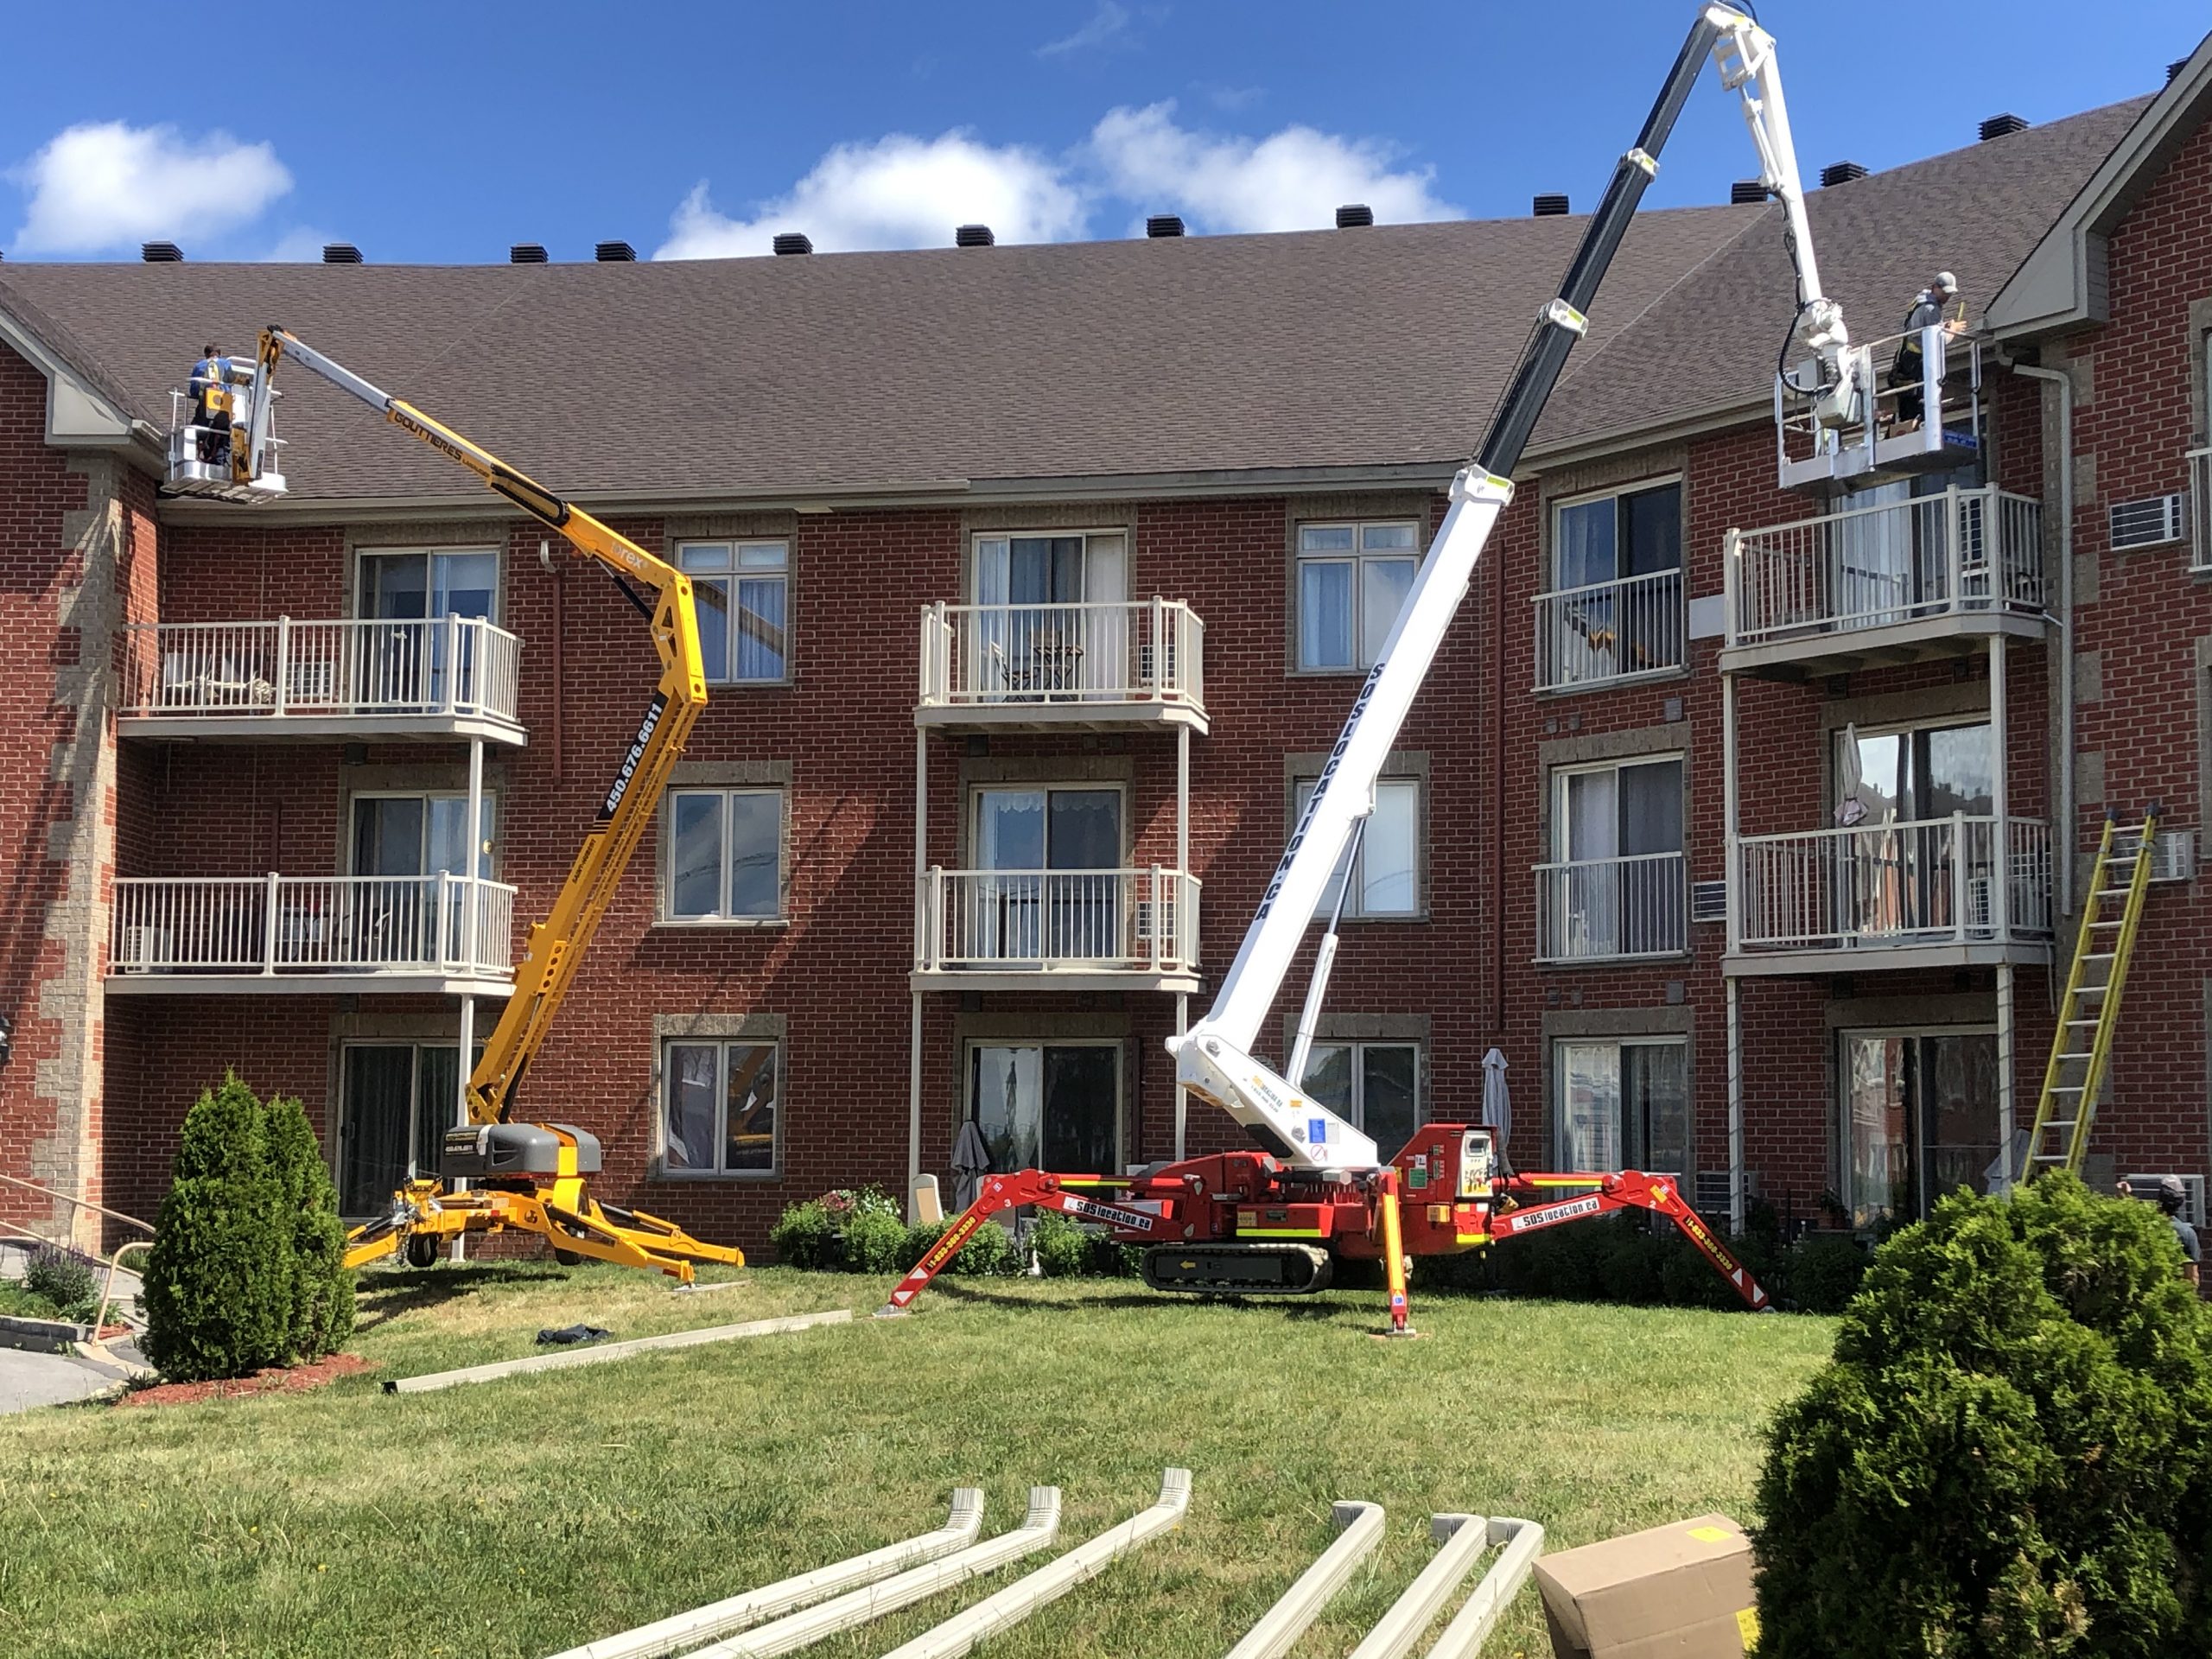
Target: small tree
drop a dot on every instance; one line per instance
(219, 1278)
(321, 1307)
(2011, 1451)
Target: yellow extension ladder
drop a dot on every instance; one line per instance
(2080, 1049)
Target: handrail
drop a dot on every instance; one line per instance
(1612, 630)
(361, 667)
(1134, 651)
(82, 1203)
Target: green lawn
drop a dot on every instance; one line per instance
(518, 1517)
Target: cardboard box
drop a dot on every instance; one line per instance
(1677, 1592)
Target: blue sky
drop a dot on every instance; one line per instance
(444, 132)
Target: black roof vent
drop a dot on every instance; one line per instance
(1551, 206)
(1163, 224)
(1353, 214)
(1999, 125)
(2175, 69)
(973, 235)
(793, 242)
(1840, 173)
(160, 253)
(526, 253)
(614, 253)
(1745, 191)
(340, 253)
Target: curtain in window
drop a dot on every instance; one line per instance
(762, 595)
(689, 1138)
(1590, 1105)
(749, 1140)
(373, 1157)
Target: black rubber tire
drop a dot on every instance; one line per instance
(566, 1258)
(422, 1250)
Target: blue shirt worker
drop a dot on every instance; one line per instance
(2172, 1196)
(1908, 367)
(211, 405)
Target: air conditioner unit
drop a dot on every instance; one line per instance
(2148, 522)
(1708, 901)
(2192, 1210)
(2173, 857)
(311, 683)
(144, 950)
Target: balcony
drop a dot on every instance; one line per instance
(1896, 583)
(1925, 894)
(1049, 667)
(258, 935)
(1630, 629)
(449, 678)
(1611, 909)
(2200, 515)
(1057, 930)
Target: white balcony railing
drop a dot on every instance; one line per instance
(275, 925)
(2200, 511)
(452, 666)
(1011, 655)
(1610, 630)
(1931, 881)
(1133, 921)
(1607, 908)
(1873, 567)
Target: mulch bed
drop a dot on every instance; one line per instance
(275, 1379)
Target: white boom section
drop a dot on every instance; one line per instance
(1214, 1059)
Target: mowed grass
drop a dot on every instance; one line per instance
(522, 1517)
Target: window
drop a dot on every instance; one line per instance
(725, 861)
(407, 842)
(1048, 884)
(1048, 1105)
(419, 833)
(1375, 1087)
(742, 592)
(1352, 580)
(411, 591)
(1385, 868)
(1616, 606)
(1919, 1119)
(1914, 775)
(395, 1102)
(721, 1104)
(1615, 887)
(1623, 1104)
(1050, 615)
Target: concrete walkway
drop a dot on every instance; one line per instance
(28, 1379)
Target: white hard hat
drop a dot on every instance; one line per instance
(1945, 281)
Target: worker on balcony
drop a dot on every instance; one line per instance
(212, 399)
(1909, 366)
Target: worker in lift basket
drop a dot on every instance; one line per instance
(1908, 366)
(211, 405)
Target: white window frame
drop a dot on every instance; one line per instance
(1840, 1124)
(363, 554)
(1125, 832)
(727, 576)
(488, 853)
(1357, 1116)
(721, 918)
(1561, 824)
(1085, 533)
(1352, 867)
(334, 1154)
(1621, 1044)
(1357, 556)
(1614, 493)
(1118, 1045)
(666, 1083)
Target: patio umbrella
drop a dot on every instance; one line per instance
(1498, 1104)
(971, 1161)
(1849, 780)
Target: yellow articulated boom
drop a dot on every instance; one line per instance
(530, 1177)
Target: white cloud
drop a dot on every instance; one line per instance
(1108, 21)
(105, 185)
(899, 192)
(1292, 180)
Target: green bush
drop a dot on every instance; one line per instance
(1063, 1250)
(2010, 1452)
(874, 1242)
(1822, 1272)
(802, 1234)
(990, 1252)
(320, 1315)
(65, 1277)
(218, 1285)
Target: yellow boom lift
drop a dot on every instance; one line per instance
(528, 1177)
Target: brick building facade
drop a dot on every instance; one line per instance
(998, 760)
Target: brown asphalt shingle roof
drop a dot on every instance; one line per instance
(1372, 347)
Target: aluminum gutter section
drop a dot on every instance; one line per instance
(1464, 1538)
(1470, 1628)
(680, 1630)
(1361, 1528)
(959, 1634)
(865, 1605)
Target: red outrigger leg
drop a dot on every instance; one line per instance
(1010, 1192)
(1631, 1189)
